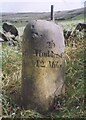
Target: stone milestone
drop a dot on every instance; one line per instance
(42, 64)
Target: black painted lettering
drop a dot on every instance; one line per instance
(40, 63)
(38, 53)
(51, 44)
(53, 64)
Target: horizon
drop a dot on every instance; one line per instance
(39, 7)
(41, 11)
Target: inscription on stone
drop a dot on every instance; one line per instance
(49, 53)
(42, 69)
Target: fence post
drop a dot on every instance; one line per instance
(52, 12)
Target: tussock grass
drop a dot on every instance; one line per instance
(72, 104)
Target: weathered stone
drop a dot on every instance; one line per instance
(42, 70)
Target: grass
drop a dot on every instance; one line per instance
(72, 104)
(74, 79)
(70, 24)
(79, 17)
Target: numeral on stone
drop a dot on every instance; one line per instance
(40, 63)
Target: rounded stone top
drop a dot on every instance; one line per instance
(43, 30)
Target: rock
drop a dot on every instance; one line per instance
(42, 69)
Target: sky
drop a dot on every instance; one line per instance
(39, 5)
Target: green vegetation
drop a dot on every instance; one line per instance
(70, 24)
(72, 104)
(79, 17)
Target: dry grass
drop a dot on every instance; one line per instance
(72, 104)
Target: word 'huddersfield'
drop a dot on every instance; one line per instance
(49, 53)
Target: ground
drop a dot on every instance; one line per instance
(72, 104)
